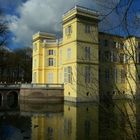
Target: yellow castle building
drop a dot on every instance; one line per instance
(73, 60)
(85, 60)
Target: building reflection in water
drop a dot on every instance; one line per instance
(80, 121)
(46, 119)
(71, 122)
(111, 120)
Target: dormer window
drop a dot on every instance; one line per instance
(68, 30)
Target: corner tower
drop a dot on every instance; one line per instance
(80, 60)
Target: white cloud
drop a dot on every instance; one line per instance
(40, 15)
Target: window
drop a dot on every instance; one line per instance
(65, 75)
(68, 74)
(123, 58)
(50, 77)
(67, 127)
(107, 74)
(87, 74)
(119, 45)
(50, 52)
(123, 73)
(87, 28)
(107, 55)
(50, 62)
(50, 133)
(116, 44)
(87, 53)
(69, 53)
(114, 56)
(68, 30)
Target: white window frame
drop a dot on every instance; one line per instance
(69, 52)
(50, 52)
(68, 74)
(50, 61)
(65, 75)
(68, 30)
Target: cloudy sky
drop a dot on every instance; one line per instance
(27, 17)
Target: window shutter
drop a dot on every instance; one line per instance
(54, 52)
(54, 62)
(65, 75)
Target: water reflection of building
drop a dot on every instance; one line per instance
(117, 121)
(80, 121)
(47, 120)
(75, 122)
(47, 126)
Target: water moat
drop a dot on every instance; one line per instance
(111, 120)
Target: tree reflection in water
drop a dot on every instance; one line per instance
(117, 120)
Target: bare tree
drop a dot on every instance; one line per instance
(119, 17)
(3, 29)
